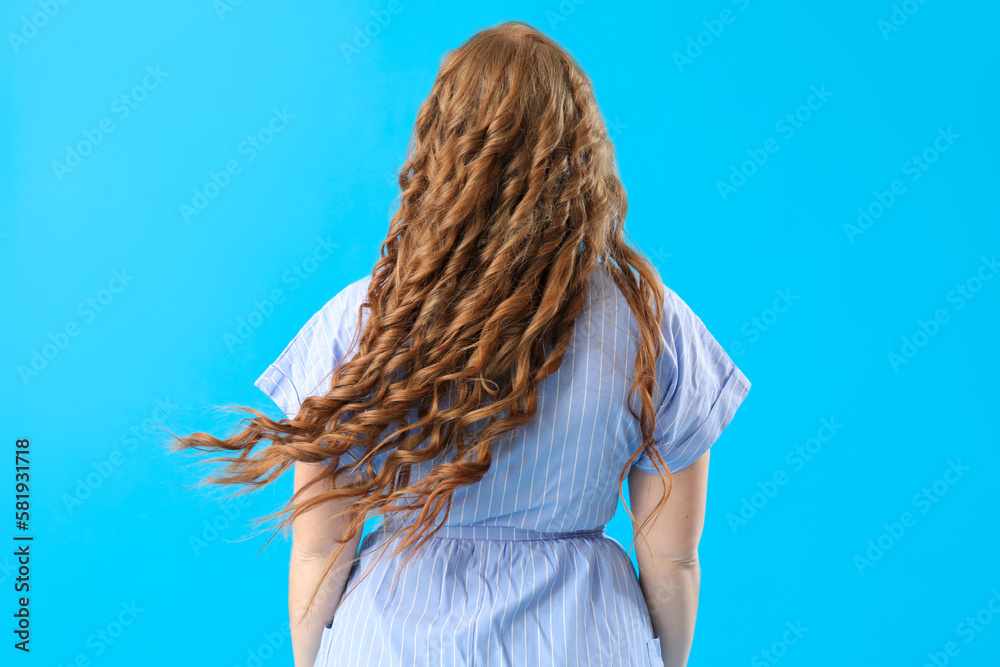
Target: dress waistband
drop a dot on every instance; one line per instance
(508, 533)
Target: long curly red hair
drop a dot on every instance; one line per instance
(509, 198)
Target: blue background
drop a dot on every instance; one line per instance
(168, 344)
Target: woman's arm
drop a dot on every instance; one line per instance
(669, 574)
(314, 536)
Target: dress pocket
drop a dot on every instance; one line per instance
(653, 652)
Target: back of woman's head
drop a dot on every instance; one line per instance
(511, 176)
(510, 149)
(509, 199)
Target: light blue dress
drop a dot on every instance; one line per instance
(522, 573)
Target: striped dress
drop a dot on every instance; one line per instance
(522, 572)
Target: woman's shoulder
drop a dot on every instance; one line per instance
(340, 311)
(323, 342)
(353, 294)
(607, 291)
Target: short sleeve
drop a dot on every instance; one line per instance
(701, 389)
(305, 366)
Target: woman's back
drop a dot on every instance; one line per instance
(509, 238)
(521, 572)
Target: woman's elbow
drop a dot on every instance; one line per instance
(685, 560)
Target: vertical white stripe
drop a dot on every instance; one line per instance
(539, 411)
(556, 419)
(604, 408)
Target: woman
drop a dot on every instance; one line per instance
(486, 390)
